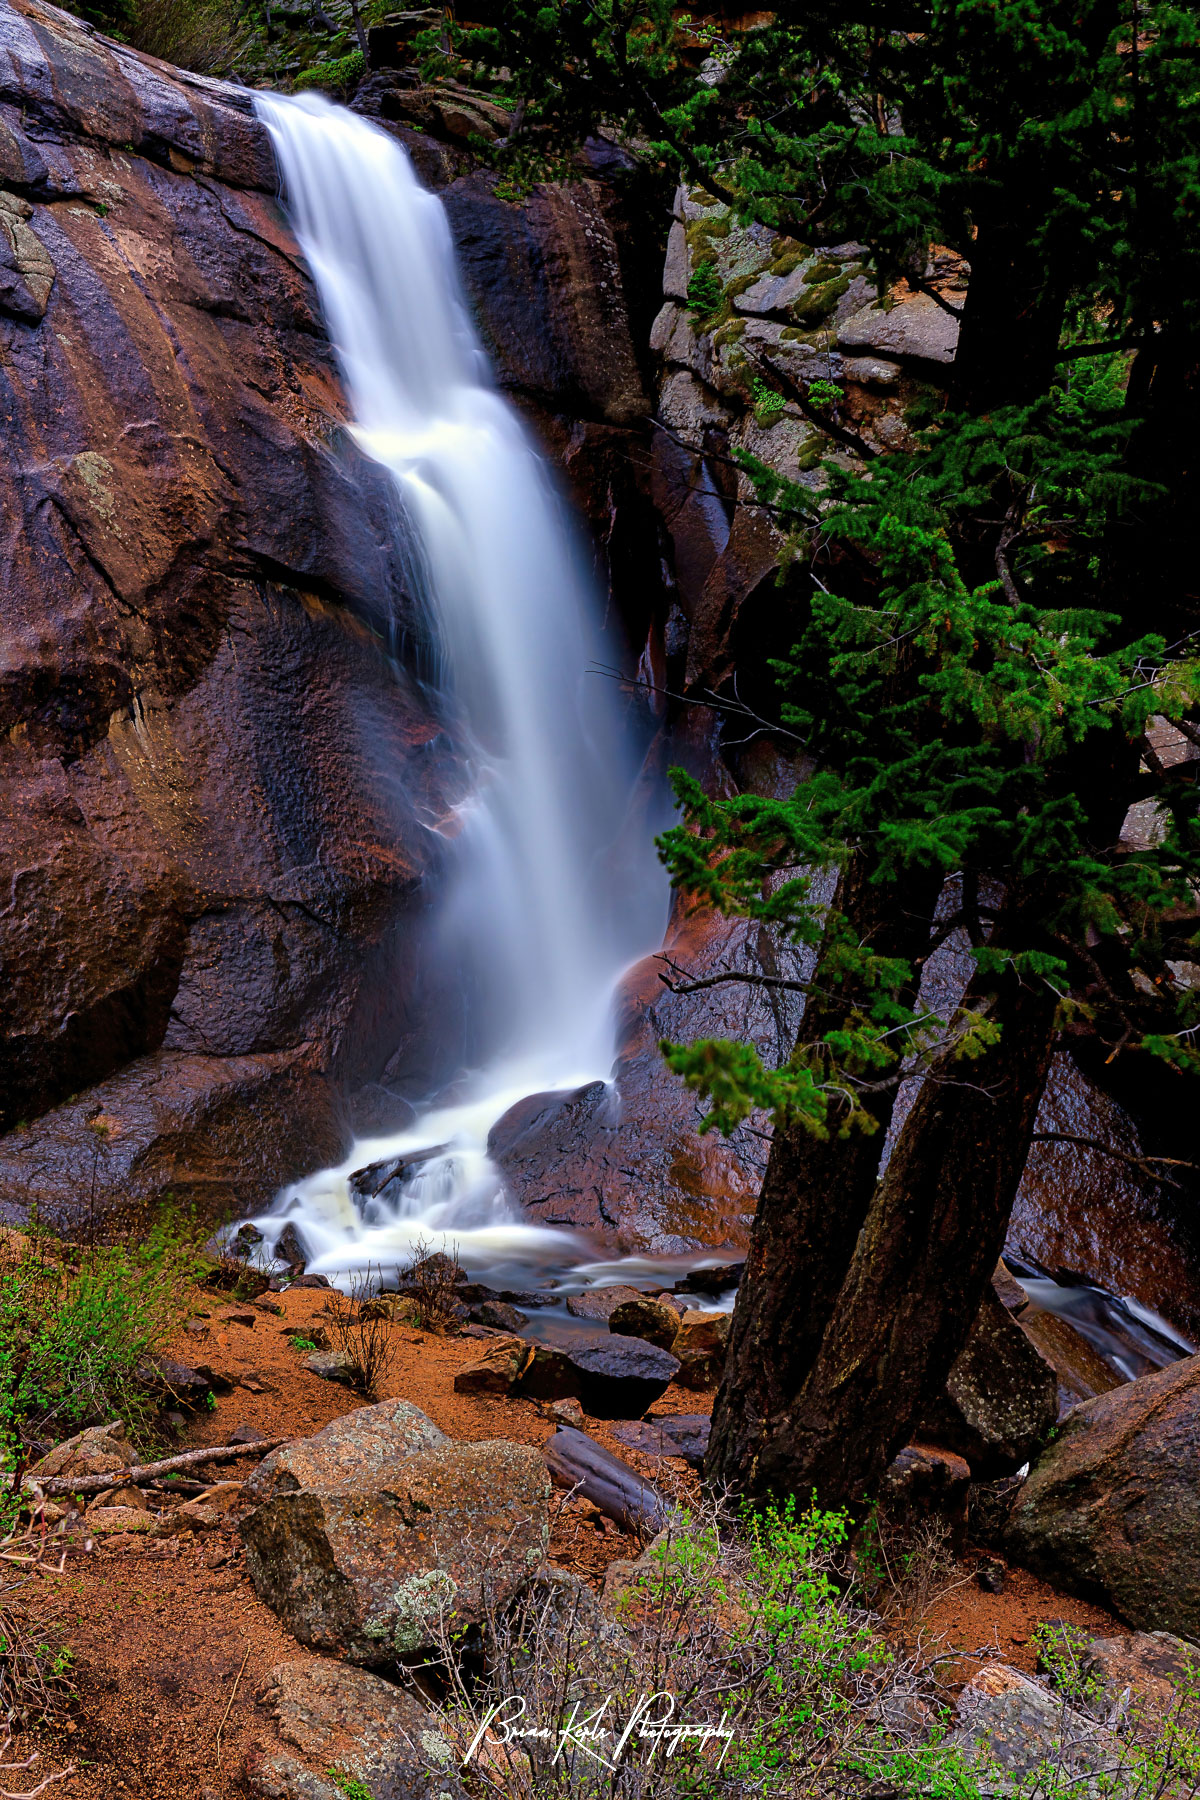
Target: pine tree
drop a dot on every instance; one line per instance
(986, 627)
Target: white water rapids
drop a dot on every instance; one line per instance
(545, 905)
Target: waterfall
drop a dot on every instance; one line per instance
(541, 912)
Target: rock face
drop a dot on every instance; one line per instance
(392, 1537)
(333, 1721)
(1005, 1715)
(211, 767)
(1112, 1509)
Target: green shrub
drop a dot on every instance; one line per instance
(72, 1333)
(768, 403)
(704, 291)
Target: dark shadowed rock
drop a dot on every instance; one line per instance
(333, 1721)
(676, 1434)
(1000, 1401)
(1112, 1508)
(925, 1482)
(612, 1377)
(498, 1314)
(367, 1571)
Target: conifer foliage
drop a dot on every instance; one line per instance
(993, 631)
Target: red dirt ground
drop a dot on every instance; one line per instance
(172, 1646)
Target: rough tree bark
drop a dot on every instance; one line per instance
(826, 1403)
(802, 1243)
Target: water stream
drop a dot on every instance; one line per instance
(545, 899)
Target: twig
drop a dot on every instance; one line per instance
(95, 1484)
(232, 1698)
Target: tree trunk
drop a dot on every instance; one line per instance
(1008, 340)
(801, 1245)
(917, 1275)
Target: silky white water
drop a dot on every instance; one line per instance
(541, 911)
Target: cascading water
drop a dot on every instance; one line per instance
(541, 913)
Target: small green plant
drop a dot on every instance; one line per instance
(350, 1785)
(825, 394)
(768, 402)
(210, 1401)
(303, 1343)
(704, 290)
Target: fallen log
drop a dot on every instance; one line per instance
(578, 1462)
(113, 1478)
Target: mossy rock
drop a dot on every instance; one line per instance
(729, 333)
(818, 302)
(701, 232)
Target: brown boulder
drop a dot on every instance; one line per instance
(1112, 1509)
(497, 1371)
(599, 1302)
(334, 1726)
(97, 1451)
(700, 1346)
(925, 1482)
(359, 1449)
(646, 1318)
(1081, 1371)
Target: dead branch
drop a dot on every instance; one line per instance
(1141, 1163)
(14, 1768)
(95, 1484)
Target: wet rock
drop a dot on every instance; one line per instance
(645, 1318)
(612, 1377)
(712, 1282)
(367, 1572)
(678, 1434)
(1081, 1371)
(700, 1346)
(577, 1462)
(178, 487)
(599, 1302)
(310, 1281)
(290, 1248)
(499, 1315)
(925, 1482)
(1112, 1509)
(1008, 1289)
(334, 1724)
(97, 1451)
(1005, 1715)
(497, 1371)
(1000, 1402)
(360, 1449)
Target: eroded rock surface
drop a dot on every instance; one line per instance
(210, 769)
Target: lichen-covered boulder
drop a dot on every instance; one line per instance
(361, 1449)
(1112, 1508)
(496, 1370)
(333, 1726)
(1000, 1402)
(371, 1569)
